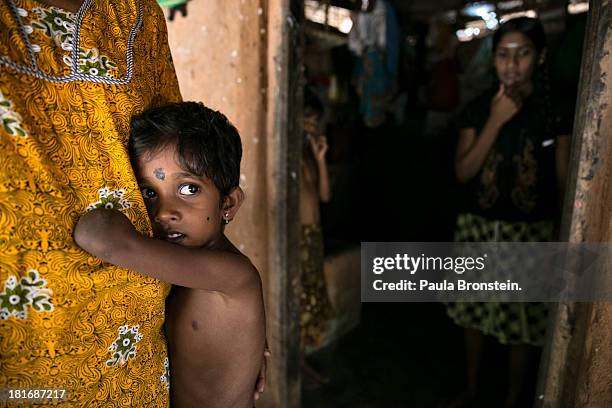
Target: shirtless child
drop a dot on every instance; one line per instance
(187, 162)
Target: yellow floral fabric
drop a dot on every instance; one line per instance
(67, 320)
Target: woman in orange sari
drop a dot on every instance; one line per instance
(72, 74)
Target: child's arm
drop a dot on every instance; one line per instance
(319, 149)
(109, 235)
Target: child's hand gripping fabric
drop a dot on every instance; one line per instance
(100, 230)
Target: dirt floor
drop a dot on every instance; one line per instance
(405, 355)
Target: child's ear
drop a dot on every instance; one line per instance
(231, 204)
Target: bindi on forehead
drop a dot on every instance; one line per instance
(514, 40)
(159, 174)
(514, 46)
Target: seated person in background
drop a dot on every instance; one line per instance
(187, 162)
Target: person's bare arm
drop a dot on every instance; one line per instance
(109, 235)
(319, 149)
(260, 385)
(472, 151)
(324, 189)
(562, 155)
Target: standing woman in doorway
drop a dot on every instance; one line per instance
(512, 156)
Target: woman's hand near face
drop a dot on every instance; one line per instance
(472, 149)
(504, 106)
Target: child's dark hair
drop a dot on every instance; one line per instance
(207, 144)
(312, 103)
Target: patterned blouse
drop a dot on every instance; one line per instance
(69, 84)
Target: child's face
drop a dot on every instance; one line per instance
(311, 124)
(515, 59)
(184, 208)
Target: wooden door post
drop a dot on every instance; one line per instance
(576, 369)
(285, 46)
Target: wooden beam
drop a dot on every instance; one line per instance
(577, 362)
(284, 123)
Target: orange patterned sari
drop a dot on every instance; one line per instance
(69, 84)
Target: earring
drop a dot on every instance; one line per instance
(226, 217)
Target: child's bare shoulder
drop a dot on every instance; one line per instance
(245, 276)
(245, 267)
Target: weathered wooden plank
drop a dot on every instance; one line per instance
(577, 362)
(285, 26)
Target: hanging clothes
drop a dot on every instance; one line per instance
(375, 40)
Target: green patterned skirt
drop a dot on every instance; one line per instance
(510, 323)
(315, 308)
